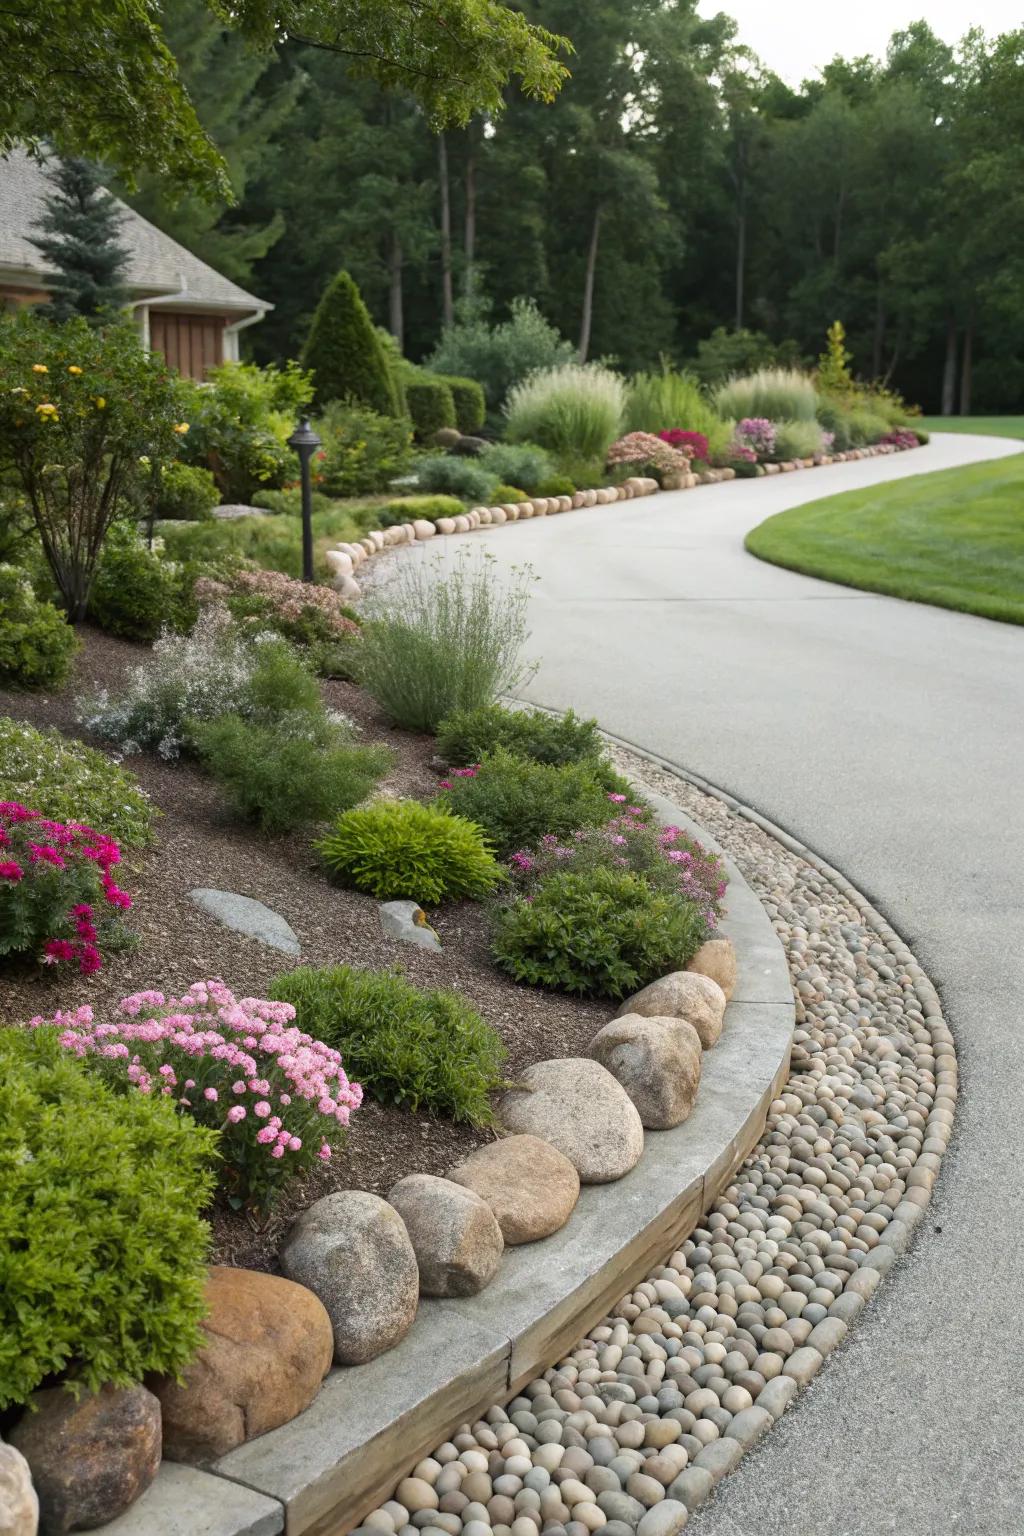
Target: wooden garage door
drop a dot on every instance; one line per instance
(191, 343)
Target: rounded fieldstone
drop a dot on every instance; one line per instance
(577, 1105)
(528, 1184)
(716, 959)
(352, 1249)
(657, 1061)
(414, 1494)
(455, 1237)
(665, 1519)
(19, 1505)
(682, 995)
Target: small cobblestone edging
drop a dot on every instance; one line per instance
(633, 1429)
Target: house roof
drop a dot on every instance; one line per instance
(157, 265)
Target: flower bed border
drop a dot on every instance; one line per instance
(321, 1473)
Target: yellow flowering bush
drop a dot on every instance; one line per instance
(80, 408)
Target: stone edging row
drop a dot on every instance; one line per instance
(319, 1474)
(346, 557)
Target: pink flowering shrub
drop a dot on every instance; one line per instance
(279, 1098)
(53, 877)
(756, 433)
(667, 858)
(901, 437)
(645, 451)
(694, 444)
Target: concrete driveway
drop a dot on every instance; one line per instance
(889, 737)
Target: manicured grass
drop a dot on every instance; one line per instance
(954, 538)
(985, 426)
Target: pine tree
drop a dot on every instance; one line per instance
(346, 353)
(79, 238)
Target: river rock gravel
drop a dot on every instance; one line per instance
(633, 1429)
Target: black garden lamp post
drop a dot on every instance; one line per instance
(305, 442)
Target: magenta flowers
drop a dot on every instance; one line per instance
(280, 1099)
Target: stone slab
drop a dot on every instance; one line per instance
(184, 1501)
(246, 915)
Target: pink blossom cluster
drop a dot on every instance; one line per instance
(239, 1065)
(643, 448)
(694, 444)
(47, 870)
(459, 773)
(289, 599)
(757, 434)
(901, 437)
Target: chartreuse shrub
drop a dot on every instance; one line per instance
(36, 642)
(468, 399)
(185, 492)
(437, 640)
(468, 734)
(345, 352)
(517, 802)
(604, 933)
(408, 508)
(576, 410)
(240, 422)
(102, 1250)
(137, 592)
(402, 849)
(67, 781)
(507, 493)
(427, 1050)
(428, 400)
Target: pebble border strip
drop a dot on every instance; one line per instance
(633, 1430)
(346, 558)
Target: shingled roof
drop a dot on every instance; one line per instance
(157, 265)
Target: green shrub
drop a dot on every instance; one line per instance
(454, 476)
(498, 354)
(604, 933)
(574, 409)
(282, 779)
(922, 436)
(866, 427)
(68, 781)
(102, 1251)
(427, 1050)
(437, 640)
(517, 802)
(468, 399)
(507, 493)
(401, 849)
(289, 503)
(185, 492)
(428, 400)
(797, 439)
(275, 543)
(240, 422)
(517, 464)
(408, 508)
(725, 354)
(468, 734)
(37, 643)
(136, 592)
(345, 352)
(780, 394)
(587, 474)
(362, 451)
(557, 485)
(657, 402)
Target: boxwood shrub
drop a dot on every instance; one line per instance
(427, 1050)
(517, 802)
(68, 781)
(468, 399)
(37, 643)
(468, 733)
(428, 401)
(102, 1249)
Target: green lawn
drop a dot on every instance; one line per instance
(986, 426)
(954, 538)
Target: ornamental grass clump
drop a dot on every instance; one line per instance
(424, 1049)
(102, 1250)
(517, 802)
(279, 1099)
(671, 401)
(573, 411)
(780, 394)
(603, 933)
(797, 439)
(67, 781)
(438, 639)
(404, 850)
(55, 878)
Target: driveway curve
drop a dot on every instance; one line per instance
(889, 737)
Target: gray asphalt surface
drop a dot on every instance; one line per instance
(889, 737)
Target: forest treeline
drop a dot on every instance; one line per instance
(674, 189)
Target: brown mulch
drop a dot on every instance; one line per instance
(198, 844)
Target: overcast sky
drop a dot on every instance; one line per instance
(796, 37)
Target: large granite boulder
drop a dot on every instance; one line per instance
(576, 1105)
(531, 1187)
(716, 959)
(353, 1251)
(456, 1239)
(657, 1061)
(682, 995)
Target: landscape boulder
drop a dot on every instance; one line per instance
(19, 1506)
(531, 1187)
(657, 1061)
(92, 1458)
(269, 1344)
(456, 1239)
(576, 1105)
(716, 959)
(353, 1251)
(682, 995)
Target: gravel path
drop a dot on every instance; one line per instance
(635, 1427)
(888, 736)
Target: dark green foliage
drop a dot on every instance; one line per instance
(468, 734)
(37, 643)
(80, 238)
(362, 451)
(522, 464)
(602, 934)
(240, 423)
(427, 1050)
(428, 400)
(102, 1251)
(454, 476)
(68, 781)
(517, 802)
(186, 492)
(410, 508)
(282, 780)
(345, 352)
(401, 849)
(289, 503)
(468, 398)
(136, 592)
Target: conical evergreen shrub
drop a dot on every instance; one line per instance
(80, 238)
(346, 353)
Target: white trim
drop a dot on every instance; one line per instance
(231, 335)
